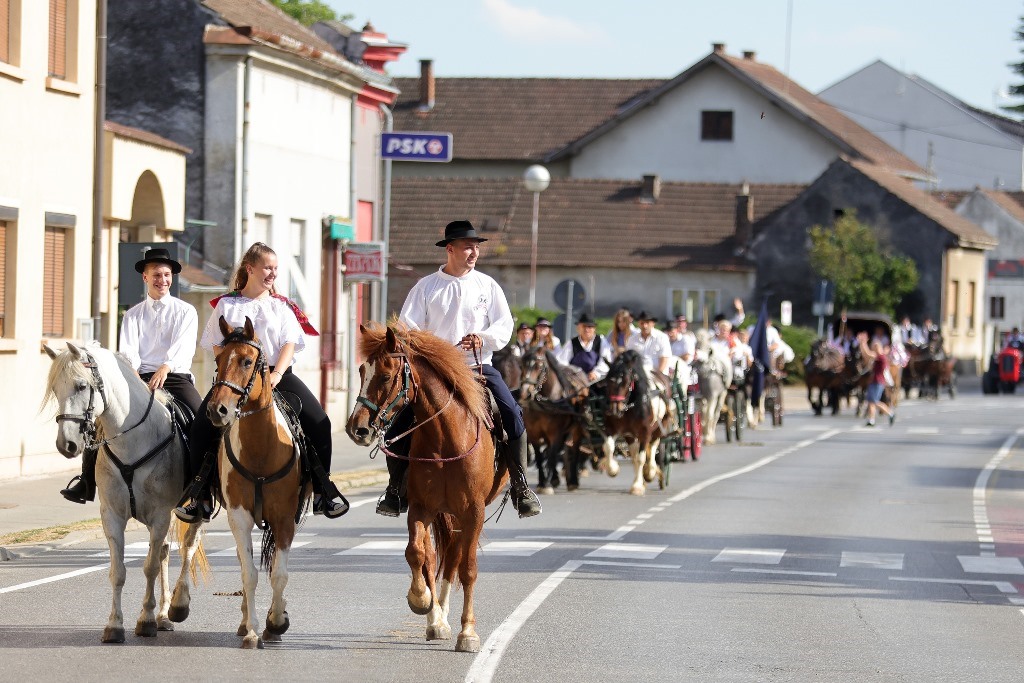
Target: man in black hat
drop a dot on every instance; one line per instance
(524, 340)
(586, 350)
(158, 337)
(468, 308)
(652, 344)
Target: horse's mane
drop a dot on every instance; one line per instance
(445, 359)
(634, 360)
(66, 365)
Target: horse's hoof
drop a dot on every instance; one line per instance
(546, 490)
(420, 605)
(163, 624)
(252, 642)
(439, 632)
(113, 635)
(637, 490)
(584, 473)
(178, 614)
(145, 629)
(271, 637)
(468, 644)
(242, 630)
(571, 487)
(275, 628)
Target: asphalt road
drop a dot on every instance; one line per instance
(823, 550)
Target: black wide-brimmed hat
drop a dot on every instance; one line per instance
(586, 320)
(458, 230)
(523, 326)
(543, 322)
(157, 255)
(644, 315)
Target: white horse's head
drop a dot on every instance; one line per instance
(72, 384)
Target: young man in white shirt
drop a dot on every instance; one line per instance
(587, 351)
(652, 344)
(158, 337)
(469, 309)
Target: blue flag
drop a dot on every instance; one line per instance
(762, 357)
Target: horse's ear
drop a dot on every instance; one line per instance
(362, 328)
(391, 341)
(50, 352)
(250, 331)
(225, 329)
(77, 352)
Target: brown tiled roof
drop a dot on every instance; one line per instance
(861, 141)
(583, 223)
(1011, 202)
(950, 198)
(196, 276)
(969, 233)
(261, 14)
(515, 118)
(144, 136)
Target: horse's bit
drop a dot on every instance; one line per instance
(87, 427)
(541, 378)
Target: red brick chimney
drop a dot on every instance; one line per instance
(426, 84)
(718, 48)
(750, 55)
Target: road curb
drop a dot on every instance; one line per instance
(347, 481)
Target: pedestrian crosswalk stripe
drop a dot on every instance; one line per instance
(974, 564)
(629, 551)
(750, 555)
(377, 548)
(514, 548)
(923, 430)
(138, 549)
(872, 560)
(233, 552)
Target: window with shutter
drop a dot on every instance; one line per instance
(3, 278)
(54, 282)
(59, 39)
(5, 31)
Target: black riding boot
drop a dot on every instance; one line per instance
(393, 503)
(198, 502)
(82, 488)
(526, 501)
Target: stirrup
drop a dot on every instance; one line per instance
(527, 502)
(390, 504)
(77, 490)
(328, 507)
(193, 511)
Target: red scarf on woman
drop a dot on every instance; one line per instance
(303, 319)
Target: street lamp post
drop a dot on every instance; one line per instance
(536, 179)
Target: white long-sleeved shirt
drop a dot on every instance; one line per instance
(565, 353)
(159, 332)
(274, 322)
(653, 348)
(452, 307)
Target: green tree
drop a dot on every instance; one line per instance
(1018, 68)
(308, 12)
(867, 275)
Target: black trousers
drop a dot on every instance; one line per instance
(180, 386)
(508, 408)
(315, 423)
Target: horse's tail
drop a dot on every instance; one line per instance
(443, 527)
(268, 549)
(200, 564)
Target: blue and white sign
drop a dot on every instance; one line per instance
(435, 147)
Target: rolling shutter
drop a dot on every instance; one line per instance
(3, 275)
(5, 31)
(54, 265)
(59, 38)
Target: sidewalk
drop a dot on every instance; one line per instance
(35, 502)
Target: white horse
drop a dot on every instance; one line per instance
(714, 375)
(102, 403)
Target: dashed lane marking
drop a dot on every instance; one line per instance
(377, 548)
(872, 560)
(750, 556)
(791, 572)
(631, 551)
(513, 548)
(974, 564)
(233, 551)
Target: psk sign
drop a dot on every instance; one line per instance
(435, 147)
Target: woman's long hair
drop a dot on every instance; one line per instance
(620, 331)
(253, 257)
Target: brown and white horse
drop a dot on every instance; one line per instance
(452, 474)
(636, 412)
(260, 474)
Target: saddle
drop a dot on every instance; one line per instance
(291, 405)
(495, 427)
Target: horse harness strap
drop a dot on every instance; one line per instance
(258, 370)
(128, 470)
(257, 481)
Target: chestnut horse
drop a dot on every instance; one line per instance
(452, 474)
(260, 474)
(635, 413)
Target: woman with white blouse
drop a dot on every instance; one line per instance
(277, 324)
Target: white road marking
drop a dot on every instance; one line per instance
(486, 662)
(980, 495)
(814, 428)
(872, 560)
(233, 552)
(1003, 586)
(750, 556)
(972, 431)
(923, 430)
(404, 534)
(139, 549)
(513, 548)
(60, 577)
(974, 564)
(754, 570)
(377, 548)
(606, 563)
(631, 551)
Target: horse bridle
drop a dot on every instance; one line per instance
(258, 368)
(531, 364)
(621, 398)
(382, 418)
(87, 420)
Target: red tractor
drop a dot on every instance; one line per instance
(1003, 373)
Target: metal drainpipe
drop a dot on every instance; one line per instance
(350, 339)
(97, 169)
(385, 222)
(246, 106)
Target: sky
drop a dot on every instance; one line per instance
(962, 46)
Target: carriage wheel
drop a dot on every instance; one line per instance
(663, 458)
(740, 416)
(696, 439)
(777, 406)
(730, 414)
